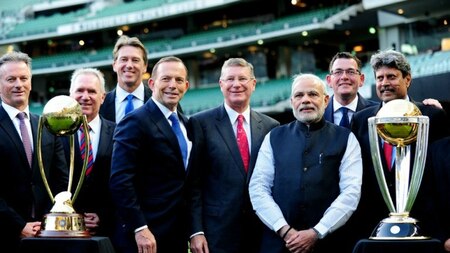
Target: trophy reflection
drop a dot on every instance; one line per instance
(62, 116)
(400, 123)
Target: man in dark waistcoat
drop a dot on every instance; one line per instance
(307, 178)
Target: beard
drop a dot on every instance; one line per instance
(308, 118)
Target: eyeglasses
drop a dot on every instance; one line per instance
(241, 80)
(349, 72)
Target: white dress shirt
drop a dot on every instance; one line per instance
(337, 114)
(12, 113)
(350, 173)
(233, 115)
(121, 100)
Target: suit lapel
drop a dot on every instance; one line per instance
(256, 133)
(110, 106)
(163, 125)
(8, 126)
(329, 111)
(105, 140)
(225, 130)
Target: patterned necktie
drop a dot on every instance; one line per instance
(25, 137)
(344, 121)
(242, 142)
(181, 140)
(129, 107)
(90, 164)
(388, 154)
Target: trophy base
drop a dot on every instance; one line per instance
(398, 227)
(65, 225)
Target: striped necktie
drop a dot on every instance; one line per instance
(83, 149)
(25, 137)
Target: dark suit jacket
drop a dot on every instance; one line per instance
(148, 178)
(95, 196)
(108, 108)
(436, 189)
(362, 104)
(22, 187)
(371, 199)
(220, 203)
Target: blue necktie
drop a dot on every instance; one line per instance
(181, 141)
(129, 107)
(344, 121)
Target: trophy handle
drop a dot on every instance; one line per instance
(419, 160)
(377, 163)
(39, 157)
(86, 158)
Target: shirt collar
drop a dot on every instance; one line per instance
(95, 124)
(12, 111)
(352, 106)
(165, 111)
(121, 94)
(232, 114)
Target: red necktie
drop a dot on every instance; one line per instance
(82, 152)
(243, 142)
(388, 154)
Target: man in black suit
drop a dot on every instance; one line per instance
(87, 86)
(345, 79)
(222, 218)
(393, 78)
(130, 64)
(149, 166)
(23, 198)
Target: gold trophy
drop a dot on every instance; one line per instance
(62, 116)
(400, 123)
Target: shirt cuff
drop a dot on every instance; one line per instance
(140, 228)
(198, 233)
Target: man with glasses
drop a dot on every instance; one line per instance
(228, 139)
(345, 79)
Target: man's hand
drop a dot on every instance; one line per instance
(92, 222)
(145, 241)
(433, 102)
(30, 229)
(302, 241)
(199, 244)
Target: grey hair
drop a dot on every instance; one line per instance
(92, 71)
(314, 78)
(391, 59)
(15, 56)
(237, 62)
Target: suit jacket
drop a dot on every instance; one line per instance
(362, 104)
(220, 204)
(148, 178)
(371, 198)
(108, 108)
(94, 195)
(21, 187)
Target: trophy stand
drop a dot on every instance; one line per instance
(399, 122)
(62, 116)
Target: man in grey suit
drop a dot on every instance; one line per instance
(23, 197)
(345, 79)
(130, 64)
(87, 86)
(222, 219)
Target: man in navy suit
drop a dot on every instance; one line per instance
(222, 218)
(345, 79)
(130, 64)
(23, 198)
(393, 78)
(87, 86)
(150, 166)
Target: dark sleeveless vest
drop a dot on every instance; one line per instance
(306, 179)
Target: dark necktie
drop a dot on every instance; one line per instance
(129, 107)
(90, 164)
(242, 141)
(25, 137)
(344, 121)
(181, 140)
(388, 154)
